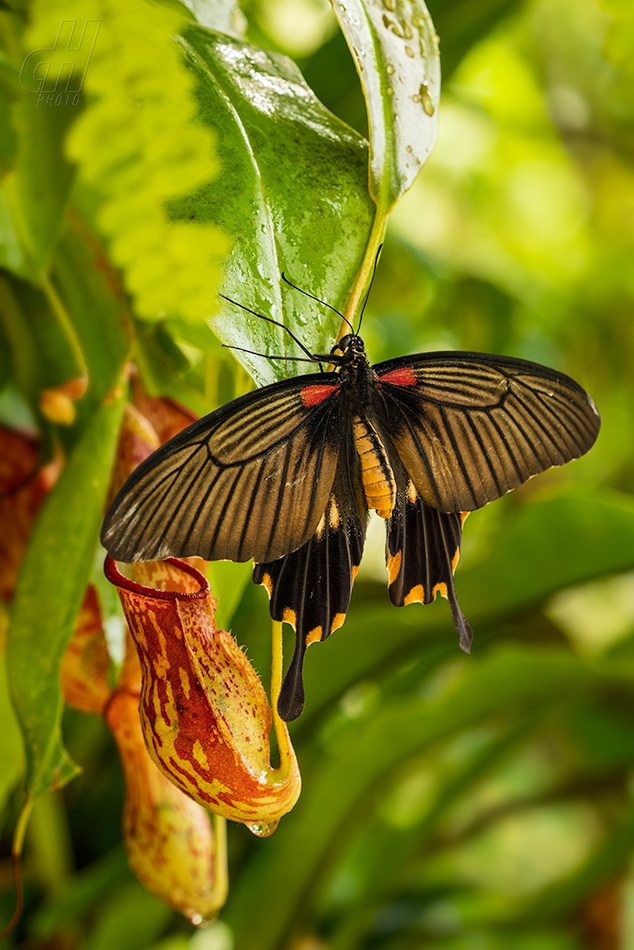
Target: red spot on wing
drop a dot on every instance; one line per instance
(405, 376)
(313, 395)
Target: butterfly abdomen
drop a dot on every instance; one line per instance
(379, 483)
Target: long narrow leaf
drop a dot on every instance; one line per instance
(50, 590)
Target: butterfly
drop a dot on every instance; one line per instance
(287, 475)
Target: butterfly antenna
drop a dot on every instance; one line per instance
(376, 264)
(276, 323)
(322, 302)
(293, 359)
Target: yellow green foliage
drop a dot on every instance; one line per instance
(138, 144)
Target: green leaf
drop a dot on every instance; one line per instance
(53, 334)
(96, 308)
(11, 754)
(607, 861)
(51, 586)
(293, 196)
(553, 542)
(36, 192)
(508, 681)
(131, 919)
(395, 49)
(550, 543)
(221, 15)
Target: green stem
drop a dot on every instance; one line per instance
(364, 274)
(221, 873)
(65, 323)
(16, 854)
(281, 734)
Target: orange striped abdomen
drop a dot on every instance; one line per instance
(378, 478)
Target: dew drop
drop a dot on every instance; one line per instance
(410, 52)
(390, 91)
(390, 69)
(262, 829)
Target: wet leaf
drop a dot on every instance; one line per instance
(395, 49)
(295, 200)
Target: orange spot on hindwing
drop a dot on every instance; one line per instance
(393, 567)
(415, 596)
(313, 636)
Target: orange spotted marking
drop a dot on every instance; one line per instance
(313, 636)
(416, 595)
(337, 622)
(268, 584)
(290, 616)
(393, 567)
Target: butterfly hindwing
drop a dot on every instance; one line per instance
(421, 551)
(249, 480)
(311, 588)
(470, 427)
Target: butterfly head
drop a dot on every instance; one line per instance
(349, 350)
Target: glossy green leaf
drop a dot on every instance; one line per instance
(292, 195)
(395, 49)
(221, 15)
(51, 587)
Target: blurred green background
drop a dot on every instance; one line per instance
(449, 802)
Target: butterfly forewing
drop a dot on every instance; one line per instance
(470, 427)
(250, 480)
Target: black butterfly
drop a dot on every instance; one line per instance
(286, 475)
